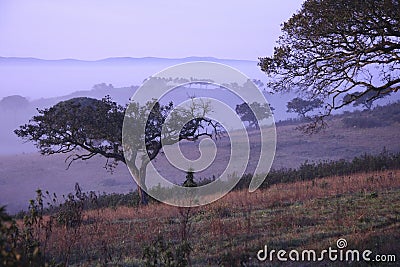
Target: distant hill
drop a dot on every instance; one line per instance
(42, 79)
(113, 60)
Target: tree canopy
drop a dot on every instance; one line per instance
(332, 48)
(84, 127)
(249, 113)
(301, 106)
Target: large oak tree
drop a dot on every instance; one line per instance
(338, 51)
(84, 127)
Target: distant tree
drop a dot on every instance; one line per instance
(86, 127)
(13, 103)
(301, 106)
(331, 48)
(248, 113)
(259, 83)
(103, 87)
(156, 81)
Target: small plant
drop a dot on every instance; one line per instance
(324, 185)
(36, 232)
(234, 258)
(10, 254)
(25, 246)
(166, 254)
(222, 211)
(70, 212)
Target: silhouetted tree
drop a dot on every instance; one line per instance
(248, 113)
(85, 127)
(331, 48)
(301, 106)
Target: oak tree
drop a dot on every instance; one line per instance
(85, 127)
(250, 113)
(332, 48)
(302, 107)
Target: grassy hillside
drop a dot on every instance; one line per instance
(361, 208)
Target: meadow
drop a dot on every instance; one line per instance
(363, 208)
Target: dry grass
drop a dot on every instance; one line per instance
(363, 208)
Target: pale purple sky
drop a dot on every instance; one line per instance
(99, 29)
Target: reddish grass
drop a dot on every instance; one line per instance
(300, 214)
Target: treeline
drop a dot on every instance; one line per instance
(313, 170)
(378, 117)
(67, 206)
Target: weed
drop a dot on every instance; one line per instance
(164, 253)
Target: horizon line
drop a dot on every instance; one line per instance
(126, 57)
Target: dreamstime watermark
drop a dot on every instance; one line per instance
(194, 117)
(339, 253)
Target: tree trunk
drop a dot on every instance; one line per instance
(142, 186)
(143, 197)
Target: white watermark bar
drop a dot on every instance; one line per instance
(339, 253)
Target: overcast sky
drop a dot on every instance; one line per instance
(99, 29)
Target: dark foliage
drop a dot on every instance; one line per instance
(302, 107)
(253, 113)
(312, 170)
(330, 49)
(378, 117)
(165, 253)
(82, 125)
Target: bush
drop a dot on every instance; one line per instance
(24, 247)
(311, 170)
